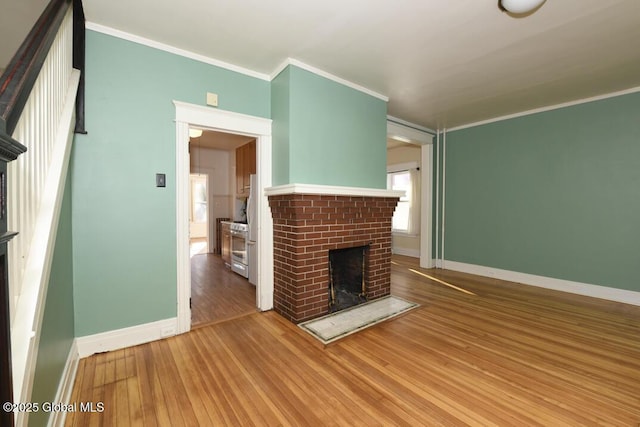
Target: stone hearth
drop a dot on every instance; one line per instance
(307, 225)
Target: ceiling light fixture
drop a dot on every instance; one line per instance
(520, 6)
(195, 133)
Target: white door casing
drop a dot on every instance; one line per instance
(425, 140)
(225, 121)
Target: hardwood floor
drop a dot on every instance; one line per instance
(218, 294)
(494, 354)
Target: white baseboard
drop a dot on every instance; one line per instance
(65, 388)
(126, 337)
(596, 291)
(415, 253)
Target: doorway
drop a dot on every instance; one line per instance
(206, 118)
(217, 292)
(412, 134)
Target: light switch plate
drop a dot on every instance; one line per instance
(161, 180)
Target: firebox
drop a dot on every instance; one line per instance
(347, 277)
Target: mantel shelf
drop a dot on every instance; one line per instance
(331, 190)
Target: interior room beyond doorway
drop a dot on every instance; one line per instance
(217, 196)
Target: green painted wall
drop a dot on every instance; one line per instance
(124, 237)
(555, 194)
(336, 135)
(57, 324)
(280, 116)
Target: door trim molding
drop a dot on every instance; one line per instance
(231, 122)
(415, 134)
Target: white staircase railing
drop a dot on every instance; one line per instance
(35, 189)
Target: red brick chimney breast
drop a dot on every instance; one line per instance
(306, 227)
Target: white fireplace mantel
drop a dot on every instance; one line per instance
(330, 190)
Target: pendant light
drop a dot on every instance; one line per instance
(520, 6)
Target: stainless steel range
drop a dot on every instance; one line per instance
(239, 259)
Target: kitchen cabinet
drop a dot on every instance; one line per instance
(226, 242)
(245, 167)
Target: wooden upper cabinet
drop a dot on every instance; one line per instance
(245, 166)
(240, 151)
(251, 158)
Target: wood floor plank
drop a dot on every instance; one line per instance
(504, 354)
(217, 293)
(167, 376)
(191, 377)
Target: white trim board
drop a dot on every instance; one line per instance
(331, 190)
(411, 134)
(172, 49)
(126, 337)
(406, 124)
(401, 167)
(548, 108)
(585, 289)
(291, 61)
(65, 387)
(227, 66)
(328, 76)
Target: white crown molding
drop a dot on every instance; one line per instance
(280, 68)
(595, 291)
(211, 61)
(290, 61)
(172, 49)
(329, 76)
(126, 337)
(548, 108)
(330, 190)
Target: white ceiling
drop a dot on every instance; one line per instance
(442, 63)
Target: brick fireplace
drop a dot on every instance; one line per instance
(310, 221)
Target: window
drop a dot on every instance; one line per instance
(402, 217)
(199, 198)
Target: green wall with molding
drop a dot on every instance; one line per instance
(336, 135)
(554, 194)
(280, 114)
(124, 239)
(124, 228)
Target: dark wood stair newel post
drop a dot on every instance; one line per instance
(10, 149)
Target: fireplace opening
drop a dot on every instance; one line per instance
(347, 277)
